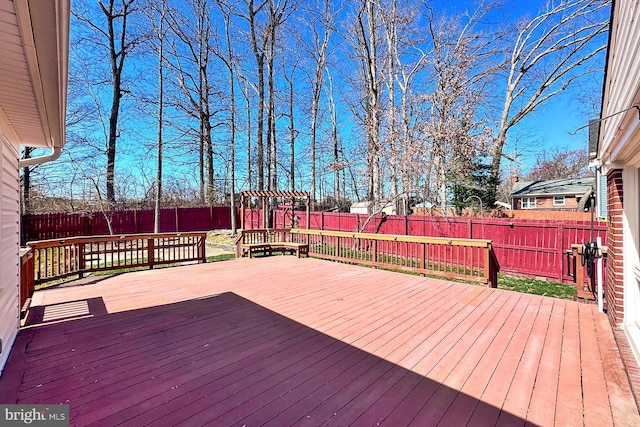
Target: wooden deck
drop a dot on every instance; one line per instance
(285, 341)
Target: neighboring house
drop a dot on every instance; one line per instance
(367, 207)
(34, 43)
(556, 194)
(618, 155)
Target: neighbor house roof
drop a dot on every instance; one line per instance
(555, 187)
(34, 41)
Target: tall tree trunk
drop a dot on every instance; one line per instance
(229, 61)
(292, 139)
(258, 53)
(392, 41)
(271, 148)
(156, 216)
(368, 41)
(117, 56)
(232, 153)
(249, 156)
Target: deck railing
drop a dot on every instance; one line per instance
(26, 275)
(463, 259)
(60, 258)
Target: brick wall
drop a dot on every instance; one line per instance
(570, 203)
(614, 282)
(542, 215)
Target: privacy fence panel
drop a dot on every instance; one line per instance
(522, 246)
(55, 226)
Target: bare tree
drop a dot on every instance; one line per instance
(277, 15)
(157, 14)
(119, 46)
(336, 165)
(191, 64)
(322, 27)
(560, 163)
(228, 59)
(367, 38)
(289, 78)
(457, 135)
(403, 59)
(259, 41)
(551, 52)
(246, 89)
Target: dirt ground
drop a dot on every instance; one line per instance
(219, 242)
(213, 251)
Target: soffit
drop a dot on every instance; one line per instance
(33, 69)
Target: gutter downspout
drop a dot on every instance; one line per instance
(54, 155)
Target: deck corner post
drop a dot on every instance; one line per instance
(202, 254)
(81, 259)
(487, 265)
(493, 267)
(150, 252)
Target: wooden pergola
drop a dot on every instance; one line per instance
(264, 195)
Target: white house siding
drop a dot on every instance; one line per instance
(619, 152)
(9, 245)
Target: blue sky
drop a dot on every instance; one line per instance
(547, 128)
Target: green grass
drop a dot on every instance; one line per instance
(537, 287)
(221, 257)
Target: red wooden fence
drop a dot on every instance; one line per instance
(54, 226)
(522, 247)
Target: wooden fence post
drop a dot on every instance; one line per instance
(560, 261)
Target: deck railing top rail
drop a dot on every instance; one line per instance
(109, 238)
(478, 243)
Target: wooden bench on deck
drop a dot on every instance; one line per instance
(264, 241)
(283, 247)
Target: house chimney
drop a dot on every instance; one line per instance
(514, 178)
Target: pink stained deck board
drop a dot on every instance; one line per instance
(286, 340)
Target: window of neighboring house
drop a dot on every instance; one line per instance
(558, 200)
(528, 203)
